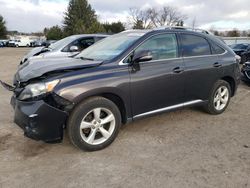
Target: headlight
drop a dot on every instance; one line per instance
(34, 90)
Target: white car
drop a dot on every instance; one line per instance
(67, 47)
(20, 43)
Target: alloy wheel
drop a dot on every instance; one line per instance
(221, 98)
(97, 126)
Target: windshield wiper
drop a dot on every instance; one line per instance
(85, 58)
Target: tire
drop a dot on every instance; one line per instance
(17, 45)
(216, 97)
(83, 123)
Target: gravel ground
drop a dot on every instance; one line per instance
(186, 148)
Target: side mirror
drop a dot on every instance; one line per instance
(73, 49)
(142, 56)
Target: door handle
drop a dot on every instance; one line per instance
(178, 70)
(217, 64)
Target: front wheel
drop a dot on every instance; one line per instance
(219, 98)
(94, 124)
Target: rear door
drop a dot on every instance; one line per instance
(158, 83)
(202, 68)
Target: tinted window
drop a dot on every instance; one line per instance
(217, 49)
(80, 43)
(162, 46)
(194, 46)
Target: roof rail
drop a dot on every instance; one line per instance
(185, 28)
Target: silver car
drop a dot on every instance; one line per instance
(67, 47)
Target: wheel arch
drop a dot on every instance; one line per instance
(231, 82)
(115, 97)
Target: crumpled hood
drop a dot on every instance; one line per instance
(37, 67)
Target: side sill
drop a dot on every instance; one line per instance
(169, 108)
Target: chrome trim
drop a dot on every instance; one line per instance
(33, 115)
(169, 108)
(212, 55)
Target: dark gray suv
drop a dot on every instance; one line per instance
(122, 78)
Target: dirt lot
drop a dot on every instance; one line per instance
(186, 148)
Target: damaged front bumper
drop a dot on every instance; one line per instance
(245, 73)
(39, 120)
(42, 119)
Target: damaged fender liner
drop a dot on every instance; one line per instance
(39, 120)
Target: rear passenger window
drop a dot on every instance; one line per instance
(217, 49)
(193, 45)
(162, 46)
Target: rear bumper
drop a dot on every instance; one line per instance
(39, 120)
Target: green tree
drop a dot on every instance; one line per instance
(180, 23)
(80, 18)
(3, 30)
(138, 25)
(114, 27)
(53, 33)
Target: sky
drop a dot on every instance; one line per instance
(35, 15)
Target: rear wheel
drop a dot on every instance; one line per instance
(219, 98)
(94, 124)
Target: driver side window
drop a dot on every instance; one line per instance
(162, 46)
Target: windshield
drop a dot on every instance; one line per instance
(110, 47)
(240, 46)
(61, 43)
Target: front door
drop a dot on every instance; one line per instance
(157, 84)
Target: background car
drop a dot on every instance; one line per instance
(245, 72)
(243, 50)
(66, 47)
(19, 43)
(4, 42)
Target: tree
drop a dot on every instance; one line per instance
(80, 18)
(180, 23)
(165, 16)
(3, 30)
(233, 33)
(194, 23)
(140, 19)
(156, 17)
(114, 27)
(53, 33)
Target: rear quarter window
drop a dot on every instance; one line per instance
(216, 49)
(193, 45)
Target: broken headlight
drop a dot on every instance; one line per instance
(37, 89)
